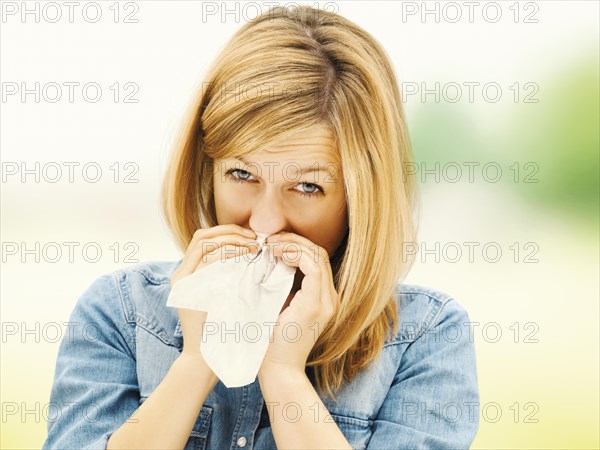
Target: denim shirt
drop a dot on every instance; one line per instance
(421, 392)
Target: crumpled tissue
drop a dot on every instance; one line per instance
(242, 296)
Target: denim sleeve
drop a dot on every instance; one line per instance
(433, 402)
(95, 385)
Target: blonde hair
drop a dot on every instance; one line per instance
(320, 69)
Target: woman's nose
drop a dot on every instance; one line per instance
(267, 215)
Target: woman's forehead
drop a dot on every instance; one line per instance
(312, 145)
(317, 138)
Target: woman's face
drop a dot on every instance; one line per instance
(268, 193)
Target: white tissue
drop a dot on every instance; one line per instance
(243, 297)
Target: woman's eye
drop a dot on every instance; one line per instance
(313, 190)
(241, 176)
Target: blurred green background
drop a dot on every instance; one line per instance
(545, 388)
(559, 134)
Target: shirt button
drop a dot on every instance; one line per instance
(241, 441)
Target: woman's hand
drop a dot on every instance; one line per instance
(312, 307)
(206, 247)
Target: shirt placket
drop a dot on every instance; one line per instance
(248, 417)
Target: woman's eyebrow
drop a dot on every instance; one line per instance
(320, 167)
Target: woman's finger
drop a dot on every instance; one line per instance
(224, 252)
(213, 232)
(197, 251)
(315, 264)
(298, 255)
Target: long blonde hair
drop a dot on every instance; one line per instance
(317, 68)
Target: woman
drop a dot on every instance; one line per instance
(292, 90)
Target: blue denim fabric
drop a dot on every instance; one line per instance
(422, 392)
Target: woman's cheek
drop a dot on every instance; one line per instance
(236, 202)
